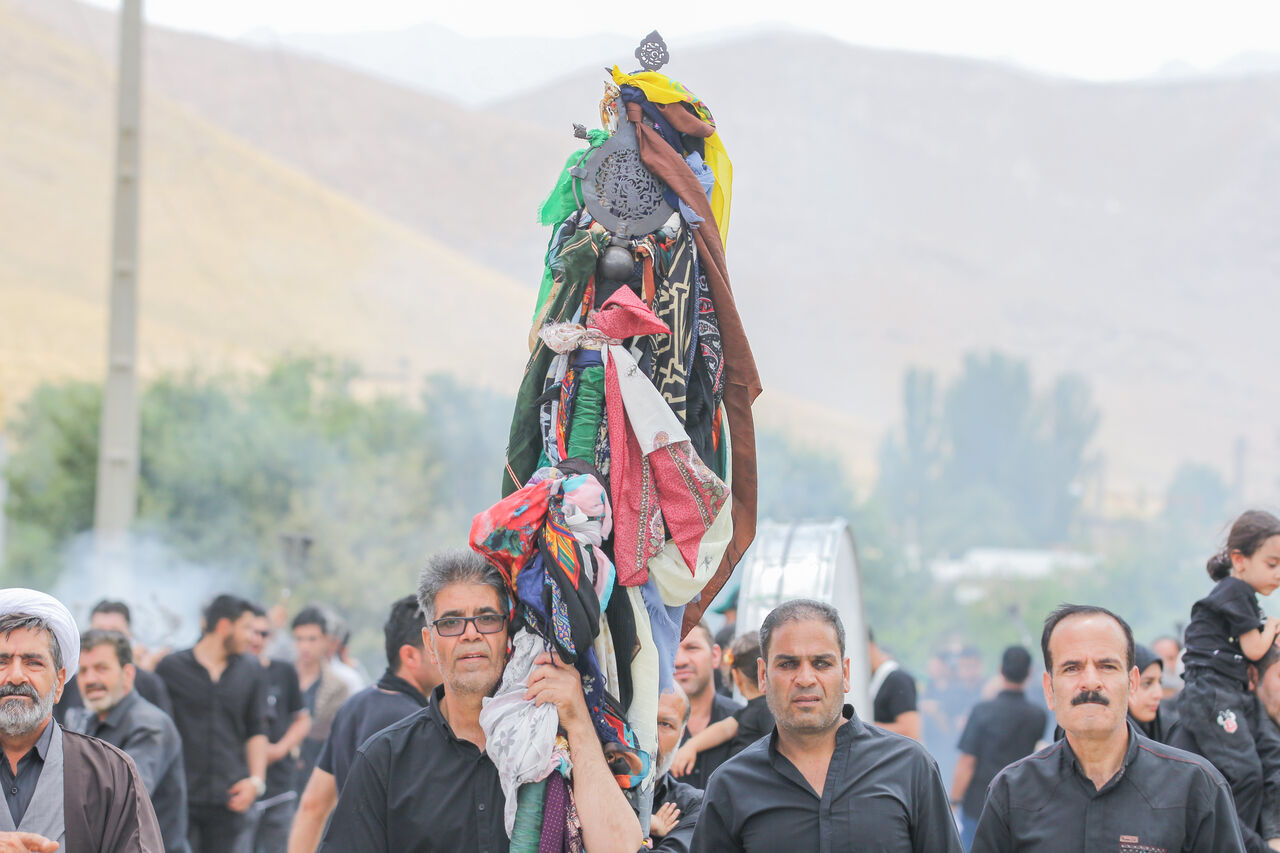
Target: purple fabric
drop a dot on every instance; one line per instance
(555, 815)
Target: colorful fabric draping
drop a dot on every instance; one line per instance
(573, 267)
(661, 89)
(656, 477)
(506, 533)
(520, 736)
(741, 379)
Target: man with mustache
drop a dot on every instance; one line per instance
(62, 790)
(823, 780)
(114, 711)
(1103, 786)
(426, 784)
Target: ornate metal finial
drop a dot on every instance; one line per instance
(652, 52)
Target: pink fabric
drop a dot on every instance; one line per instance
(669, 489)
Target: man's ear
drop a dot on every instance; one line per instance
(428, 646)
(1048, 689)
(762, 678)
(62, 683)
(846, 675)
(130, 676)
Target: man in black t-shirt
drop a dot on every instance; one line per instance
(219, 695)
(998, 733)
(893, 693)
(287, 720)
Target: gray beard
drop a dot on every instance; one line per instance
(20, 718)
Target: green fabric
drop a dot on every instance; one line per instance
(527, 831)
(588, 409)
(572, 268)
(566, 196)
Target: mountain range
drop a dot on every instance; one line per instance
(890, 209)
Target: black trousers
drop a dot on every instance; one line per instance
(213, 828)
(1226, 723)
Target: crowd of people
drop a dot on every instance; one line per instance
(248, 742)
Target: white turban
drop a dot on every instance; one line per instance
(51, 610)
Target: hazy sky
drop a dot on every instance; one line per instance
(1097, 39)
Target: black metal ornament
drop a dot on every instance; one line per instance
(619, 191)
(652, 52)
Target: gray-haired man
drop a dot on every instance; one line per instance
(60, 787)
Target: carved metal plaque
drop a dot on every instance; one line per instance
(620, 192)
(652, 52)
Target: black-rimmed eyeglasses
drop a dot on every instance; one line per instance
(455, 626)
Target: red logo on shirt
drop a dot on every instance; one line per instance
(1227, 719)
(1130, 844)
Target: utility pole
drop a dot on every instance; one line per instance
(117, 489)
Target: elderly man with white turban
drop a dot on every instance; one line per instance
(62, 790)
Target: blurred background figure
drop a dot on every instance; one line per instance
(938, 714)
(1170, 652)
(323, 691)
(1154, 717)
(892, 692)
(287, 720)
(110, 615)
(998, 732)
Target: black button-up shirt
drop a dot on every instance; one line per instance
(998, 733)
(151, 739)
(417, 788)
(366, 713)
(883, 794)
(1162, 800)
(709, 759)
(215, 719)
(19, 788)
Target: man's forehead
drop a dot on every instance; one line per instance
(670, 703)
(1093, 635)
(805, 638)
(25, 641)
(462, 596)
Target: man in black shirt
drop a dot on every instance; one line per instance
(425, 783)
(402, 690)
(287, 721)
(219, 696)
(824, 780)
(1103, 786)
(114, 711)
(110, 615)
(697, 658)
(998, 733)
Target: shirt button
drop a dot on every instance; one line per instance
(15, 790)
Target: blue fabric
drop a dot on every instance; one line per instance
(706, 177)
(586, 358)
(665, 624)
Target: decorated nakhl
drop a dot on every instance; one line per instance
(629, 492)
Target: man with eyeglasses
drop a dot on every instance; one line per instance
(266, 828)
(425, 783)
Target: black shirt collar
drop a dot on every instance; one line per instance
(395, 684)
